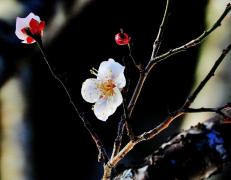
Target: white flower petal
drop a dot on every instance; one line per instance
(109, 70)
(25, 42)
(103, 109)
(120, 81)
(22, 23)
(30, 16)
(90, 91)
(117, 98)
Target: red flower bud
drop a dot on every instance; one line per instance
(29, 27)
(122, 38)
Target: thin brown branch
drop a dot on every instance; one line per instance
(136, 93)
(192, 97)
(102, 156)
(144, 72)
(203, 109)
(118, 139)
(125, 114)
(217, 110)
(137, 64)
(123, 122)
(120, 131)
(158, 59)
(157, 42)
(127, 124)
(181, 111)
(213, 135)
(193, 42)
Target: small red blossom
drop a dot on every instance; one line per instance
(122, 38)
(29, 27)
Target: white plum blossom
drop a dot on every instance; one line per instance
(105, 89)
(31, 23)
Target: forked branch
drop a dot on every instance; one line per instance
(154, 60)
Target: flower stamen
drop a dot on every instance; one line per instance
(107, 89)
(94, 71)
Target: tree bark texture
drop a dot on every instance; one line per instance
(196, 153)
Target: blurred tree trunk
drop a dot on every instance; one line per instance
(14, 131)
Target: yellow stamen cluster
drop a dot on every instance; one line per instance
(107, 88)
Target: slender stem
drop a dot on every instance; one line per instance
(136, 93)
(152, 133)
(137, 64)
(125, 109)
(192, 97)
(118, 139)
(217, 110)
(108, 167)
(121, 125)
(127, 124)
(102, 152)
(183, 109)
(157, 42)
(131, 144)
(144, 73)
(196, 41)
(123, 122)
(155, 60)
(203, 109)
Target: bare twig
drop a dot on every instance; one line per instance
(155, 60)
(125, 99)
(203, 109)
(127, 124)
(193, 42)
(102, 156)
(144, 73)
(180, 112)
(213, 135)
(123, 122)
(132, 103)
(118, 139)
(157, 42)
(192, 97)
(137, 64)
